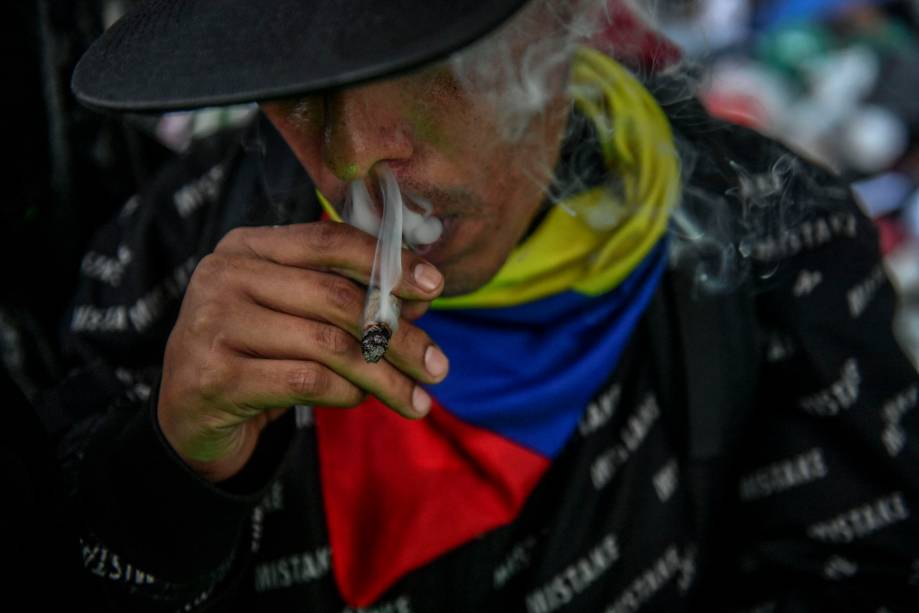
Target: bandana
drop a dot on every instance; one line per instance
(527, 353)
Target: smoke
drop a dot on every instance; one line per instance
(521, 73)
(387, 261)
(523, 67)
(416, 228)
(397, 226)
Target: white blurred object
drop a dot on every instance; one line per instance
(838, 82)
(903, 264)
(843, 78)
(834, 125)
(871, 138)
(714, 25)
(178, 130)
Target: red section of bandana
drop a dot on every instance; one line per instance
(399, 493)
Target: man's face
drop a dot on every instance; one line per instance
(442, 142)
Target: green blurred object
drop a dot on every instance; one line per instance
(786, 50)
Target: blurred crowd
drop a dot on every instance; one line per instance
(836, 80)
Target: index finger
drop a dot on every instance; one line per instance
(335, 247)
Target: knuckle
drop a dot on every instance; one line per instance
(214, 379)
(205, 319)
(212, 270)
(342, 294)
(308, 381)
(325, 236)
(333, 340)
(233, 239)
(412, 340)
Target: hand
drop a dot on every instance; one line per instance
(272, 318)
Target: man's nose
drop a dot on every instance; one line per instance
(363, 126)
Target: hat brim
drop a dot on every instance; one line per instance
(182, 54)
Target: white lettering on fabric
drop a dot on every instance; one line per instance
(861, 521)
(401, 604)
(893, 435)
(303, 416)
(779, 347)
(197, 601)
(274, 498)
(631, 436)
(106, 268)
(149, 307)
(138, 387)
(807, 281)
(838, 568)
(89, 318)
(841, 395)
(687, 568)
(204, 189)
(806, 236)
(102, 562)
(140, 315)
(258, 528)
(666, 480)
(782, 475)
(859, 297)
(652, 580)
(297, 569)
(599, 412)
(129, 207)
(517, 560)
(764, 185)
(575, 578)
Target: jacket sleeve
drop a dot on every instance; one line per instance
(826, 503)
(154, 535)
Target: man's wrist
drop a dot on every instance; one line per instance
(215, 454)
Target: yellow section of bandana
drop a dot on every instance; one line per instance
(590, 242)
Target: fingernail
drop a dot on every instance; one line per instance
(427, 277)
(435, 361)
(421, 401)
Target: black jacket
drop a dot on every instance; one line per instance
(755, 451)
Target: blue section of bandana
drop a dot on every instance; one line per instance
(527, 372)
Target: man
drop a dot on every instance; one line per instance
(560, 421)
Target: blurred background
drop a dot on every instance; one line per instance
(837, 80)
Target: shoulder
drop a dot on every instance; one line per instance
(752, 209)
(240, 176)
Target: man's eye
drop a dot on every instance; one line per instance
(305, 109)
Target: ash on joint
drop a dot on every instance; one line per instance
(375, 342)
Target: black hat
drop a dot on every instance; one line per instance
(181, 54)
